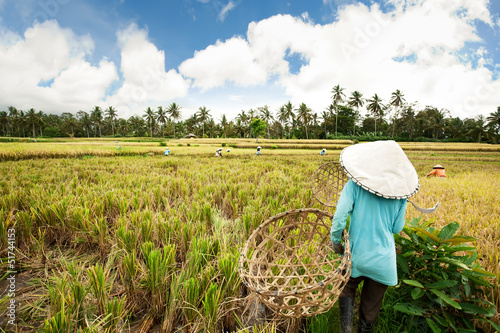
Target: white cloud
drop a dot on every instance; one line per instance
(360, 51)
(143, 70)
(231, 61)
(48, 53)
(225, 10)
(417, 47)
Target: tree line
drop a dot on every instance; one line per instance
(342, 118)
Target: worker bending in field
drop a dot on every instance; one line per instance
(438, 171)
(381, 178)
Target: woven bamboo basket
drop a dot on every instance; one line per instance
(327, 183)
(289, 263)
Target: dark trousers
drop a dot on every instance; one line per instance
(372, 296)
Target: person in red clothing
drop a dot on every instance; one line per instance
(438, 171)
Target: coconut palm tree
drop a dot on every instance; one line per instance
(266, 115)
(4, 120)
(290, 115)
(84, 119)
(96, 116)
(338, 97)
(14, 115)
(479, 128)
(494, 122)
(396, 102)
(223, 123)
(149, 116)
(304, 116)
(33, 119)
(175, 113)
(375, 106)
(325, 116)
(356, 100)
(203, 116)
(69, 122)
(111, 113)
(161, 117)
(282, 118)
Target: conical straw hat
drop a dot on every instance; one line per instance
(382, 168)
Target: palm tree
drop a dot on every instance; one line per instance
(96, 116)
(356, 100)
(175, 113)
(111, 113)
(14, 117)
(289, 108)
(223, 123)
(267, 116)
(338, 97)
(478, 128)
(85, 121)
(150, 117)
(282, 118)
(397, 102)
(161, 117)
(325, 115)
(494, 122)
(4, 120)
(69, 122)
(41, 116)
(33, 119)
(375, 106)
(304, 115)
(203, 116)
(136, 124)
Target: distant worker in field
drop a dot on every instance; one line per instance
(218, 152)
(323, 152)
(258, 150)
(228, 150)
(167, 151)
(438, 171)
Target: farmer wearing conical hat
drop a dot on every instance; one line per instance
(438, 171)
(258, 150)
(381, 178)
(167, 151)
(322, 152)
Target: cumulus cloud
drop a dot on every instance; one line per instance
(144, 74)
(415, 47)
(46, 68)
(418, 46)
(231, 61)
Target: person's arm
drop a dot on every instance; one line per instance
(399, 222)
(344, 208)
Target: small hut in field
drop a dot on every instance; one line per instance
(190, 136)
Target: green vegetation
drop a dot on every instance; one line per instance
(109, 239)
(395, 119)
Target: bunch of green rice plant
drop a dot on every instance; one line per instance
(191, 300)
(159, 269)
(99, 232)
(116, 313)
(98, 287)
(212, 306)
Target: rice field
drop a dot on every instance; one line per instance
(108, 238)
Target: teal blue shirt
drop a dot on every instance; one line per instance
(373, 221)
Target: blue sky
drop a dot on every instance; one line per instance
(70, 55)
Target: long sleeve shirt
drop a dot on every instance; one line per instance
(373, 221)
